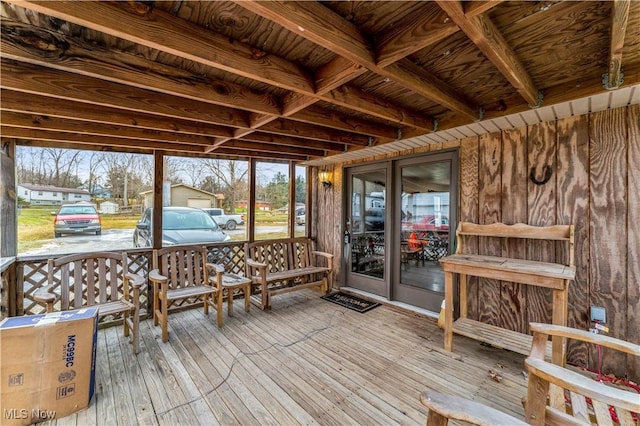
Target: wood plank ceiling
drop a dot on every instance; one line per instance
(296, 81)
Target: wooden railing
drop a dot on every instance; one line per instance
(7, 277)
(19, 287)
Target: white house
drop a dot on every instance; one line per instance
(47, 195)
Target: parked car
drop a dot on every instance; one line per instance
(373, 220)
(76, 218)
(180, 225)
(226, 221)
(428, 223)
(300, 218)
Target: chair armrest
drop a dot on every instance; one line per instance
(155, 276)
(454, 407)
(44, 295)
(585, 336)
(252, 263)
(576, 382)
(215, 267)
(323, 254)
(135, 280)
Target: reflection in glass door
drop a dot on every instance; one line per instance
(424, 197)
(366, 219)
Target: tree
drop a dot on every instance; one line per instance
(49, 166)
(277, 191)
(123, 175)
(301, 189)
(228, 177)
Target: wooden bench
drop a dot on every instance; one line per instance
(542, 274)
(281, 266)
(556, 395)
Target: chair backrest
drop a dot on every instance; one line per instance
(559, 395)
(87, 279)
(184, 266)
(281, 255)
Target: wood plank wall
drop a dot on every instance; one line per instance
(595, 185)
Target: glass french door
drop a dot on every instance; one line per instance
(366, 229)
(425, 206)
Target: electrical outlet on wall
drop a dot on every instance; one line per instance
(598, 314)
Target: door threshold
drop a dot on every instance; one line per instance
(391, 303)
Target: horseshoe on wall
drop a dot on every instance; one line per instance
(547, 175)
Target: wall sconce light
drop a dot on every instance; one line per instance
(325, 177)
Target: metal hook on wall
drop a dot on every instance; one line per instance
(547, 175)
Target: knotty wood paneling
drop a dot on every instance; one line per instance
(541, 144)
(513, 301)
(489, 185)
(633, 237)
(572, 204)
(608, 224)
(468, 210)
(595, 186)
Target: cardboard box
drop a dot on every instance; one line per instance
(47, 365)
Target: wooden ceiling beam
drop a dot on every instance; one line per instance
(236, 154)
(336, 73)
(484, 34)
(28, 43)
(151, 27)
(64, 108)
(77, 138)
(275, 148)
(358, 100)
(39, 80)
(619, 19)
(43, 122)
(322, 116)
(158, 30)
(474, 8)
(246, 153)
(417, 32)
(306, 131)
(269, 138)
(322, 26)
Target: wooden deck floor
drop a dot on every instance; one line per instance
(307, 361)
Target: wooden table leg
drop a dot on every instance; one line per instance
(448, 311)
(247, 297)
(230, 302)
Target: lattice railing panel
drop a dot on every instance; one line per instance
(32, 274)
(230, 256)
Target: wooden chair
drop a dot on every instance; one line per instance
(443, 408)
(180, 273)
(88, 279)
(550, 386)
(556, 395)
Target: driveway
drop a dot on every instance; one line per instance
(115, 239)
(112, 239)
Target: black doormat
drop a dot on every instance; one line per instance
(349, 301)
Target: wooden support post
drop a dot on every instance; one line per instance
(292, 199)
(251, 205)
(158, 185)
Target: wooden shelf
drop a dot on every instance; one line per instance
(496, 336)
